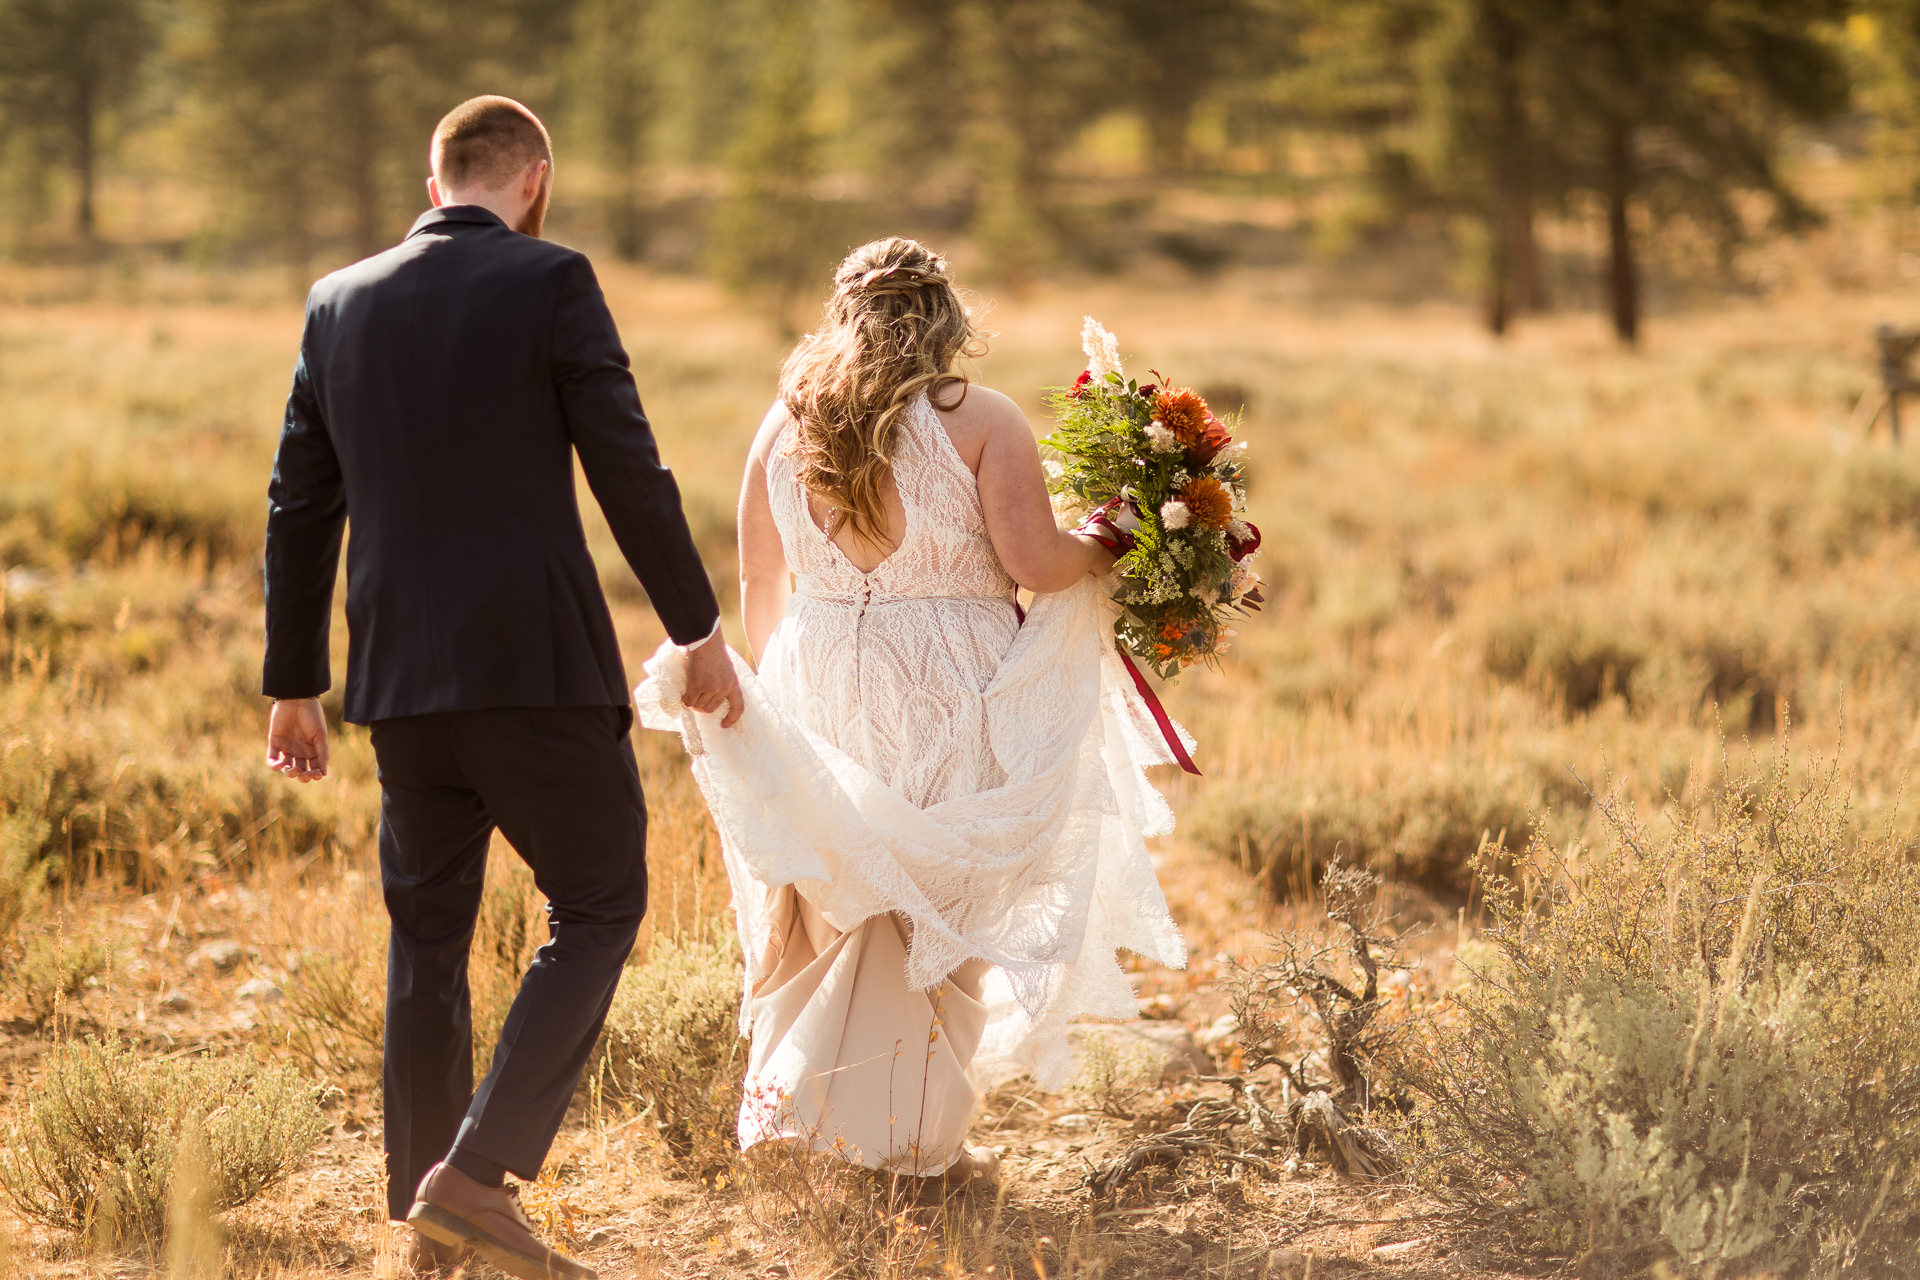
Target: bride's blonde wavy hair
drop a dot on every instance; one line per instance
(893, 328)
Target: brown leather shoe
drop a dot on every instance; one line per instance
(428, 1257)
(453, 1209)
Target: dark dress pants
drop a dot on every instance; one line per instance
(562, 786)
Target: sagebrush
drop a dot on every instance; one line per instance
(98, 1143)
(1696, 1046)
(672, 1044)
(54, 970)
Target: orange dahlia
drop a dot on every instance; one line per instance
(1184, 413)
(1208, 502)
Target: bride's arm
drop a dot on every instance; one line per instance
(764, 581)
(1013, 495)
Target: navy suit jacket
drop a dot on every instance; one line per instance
(442, 391)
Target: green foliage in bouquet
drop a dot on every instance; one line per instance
(1160, 474)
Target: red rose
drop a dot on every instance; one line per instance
(1241, 548)
(1081, 383)
(1212, 439)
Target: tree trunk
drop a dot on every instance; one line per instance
(1530, 289)
(1512, 196)
(1005, 176)
(1499, 272)
(618, 66)
(1622, 280)
(1519, 284)
(85, 153)
(362, 181)
(624, 121)
(623, 217)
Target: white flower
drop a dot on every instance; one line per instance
(1244, 578)
(1053, 469)
(1239, 530)
(1102, 348)
(1174, 514)
(1161, 440)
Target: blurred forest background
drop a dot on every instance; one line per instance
(1535, 152)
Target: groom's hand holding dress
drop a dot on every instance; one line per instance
(712, 682)
(443, 392)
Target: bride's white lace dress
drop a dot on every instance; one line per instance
(934, 819)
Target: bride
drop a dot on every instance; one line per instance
(933, 809)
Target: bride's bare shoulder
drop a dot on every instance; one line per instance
(981, 415)
(982, 406)
(770, 428)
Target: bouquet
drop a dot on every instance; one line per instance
(1157, 477)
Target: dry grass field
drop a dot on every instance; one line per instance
(1509, 582)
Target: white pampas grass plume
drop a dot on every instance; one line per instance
(1161, 440)
(1102, 348)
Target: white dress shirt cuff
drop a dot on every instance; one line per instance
(707, 639)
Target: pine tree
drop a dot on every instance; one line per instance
(710, 57)
(1036, 73)
(769, 238)
(1498, 109)
(905, 55)
(613, 82)
(1883, 45)
(65, 67)
(1669, 107)
(320, 110)
(266, 124)
(1355, 78)
(1180, 54)
(1481, 150)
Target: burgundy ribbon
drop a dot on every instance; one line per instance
(1101, 528)
(1160, 716)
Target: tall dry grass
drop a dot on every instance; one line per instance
(1491, 563)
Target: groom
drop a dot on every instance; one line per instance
(442, 391)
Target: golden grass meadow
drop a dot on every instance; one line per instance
(1608, 663)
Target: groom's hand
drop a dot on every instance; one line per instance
(297, 739)
(711, 681)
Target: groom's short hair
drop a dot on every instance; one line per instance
(487, 141)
